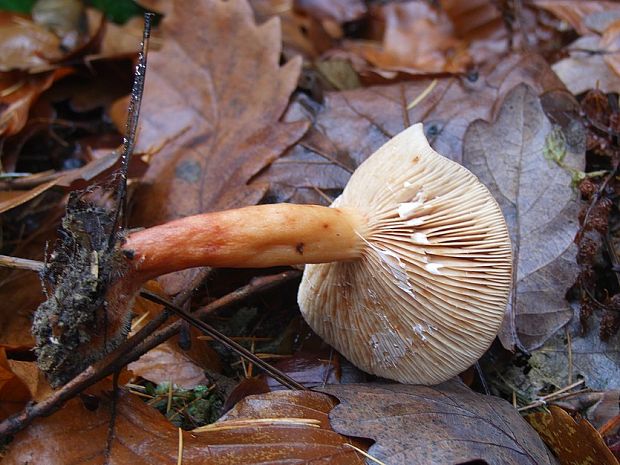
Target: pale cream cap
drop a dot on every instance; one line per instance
(429, 294)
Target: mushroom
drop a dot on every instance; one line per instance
(408, 272)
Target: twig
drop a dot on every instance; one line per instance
(364, 453)
(133, 114)
(569, 344)
(180, 452)
(16, 263)
(128, 352)
(595, 198)
(112, 423)
(281, 377)
(559, 394)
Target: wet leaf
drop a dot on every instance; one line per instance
(301, 33)
(21, 293)
(511, 156)
(33, 379)
(610, 46)
(14, 392)
(340, 11)
(167, 364)
(599, 407)
(445, 424)
(101, 165)
(78, 434)
(585, 68)
(403, 51)
(597, 362)
(213, 98)
(25, 45)
(17, 94)
(577, 13)
(351, 125)
(12, 199)
(574, 443)
(311, 369)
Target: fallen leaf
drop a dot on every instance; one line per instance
(301, 33)
(25, 45)
(351, 125)
(495, 29)
(213, 98)
(577, 13)
(585, 69)
(311, 369)
(13, 392)
(33, 379)
(12, 199)
(167, 364)
(610, 46)
(599, 407)
(340, 11)
(213, 101)
(63, 17)
(584, 354)
(574, 443)
(510, 156)
(403, 51)
(286, 427)
(20, 292)
(17, 94)
(445, 424)
(101, 165)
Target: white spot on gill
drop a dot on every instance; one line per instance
(392, 263)
(408, 209)
(416, 221)
(433, 267)
(419, 238)
(420, 329)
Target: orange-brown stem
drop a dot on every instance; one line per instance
(250, 237)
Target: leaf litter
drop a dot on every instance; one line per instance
(223, 129)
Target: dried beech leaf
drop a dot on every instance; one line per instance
(14, 393)
(402, 50)
(445, 424)
(574, 443)
(597, 362)
(166, 363)
(21, 293)
(25, 45)
(577, 13)
(213, 96)
(103, 164)
(33, 379)
(610, 46)
(78, 434)
(12, 199)
(351, 125)
(582, 71)
(340, 11)
(301, 33)
(540, 206)
(17, 94)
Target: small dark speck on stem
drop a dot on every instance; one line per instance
(300, 248)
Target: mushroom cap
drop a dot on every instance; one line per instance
(429, 294)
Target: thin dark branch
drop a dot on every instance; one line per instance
(131, 350)
(112, 423)
(133, 113)
(278, 375)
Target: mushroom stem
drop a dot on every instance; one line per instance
(250, 237)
